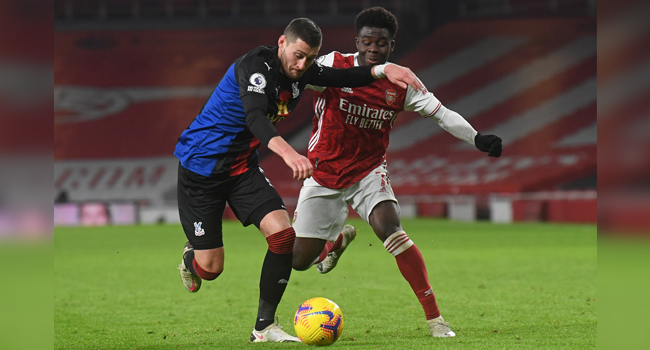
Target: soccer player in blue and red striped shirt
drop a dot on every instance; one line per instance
(219, 161)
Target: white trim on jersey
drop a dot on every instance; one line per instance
(320, 111)
(425, 104)
(434, 111)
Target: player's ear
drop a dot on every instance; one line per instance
(392, 45)
(282, 41)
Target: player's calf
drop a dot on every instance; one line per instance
(411, 265)
(276, 271)
(306, 252)
(332, 257)
(191, 272)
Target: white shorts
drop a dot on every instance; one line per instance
(322, 211)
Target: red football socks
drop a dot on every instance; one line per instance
(204, 274)
(411, 265)
(329, 246)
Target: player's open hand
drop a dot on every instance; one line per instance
(403, 77)
(299, 164)
(489, 143)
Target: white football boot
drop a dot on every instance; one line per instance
(439, 328)
(273, 333)
(329, 263)
(190, 281)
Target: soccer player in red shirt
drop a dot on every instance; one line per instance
(348, 152)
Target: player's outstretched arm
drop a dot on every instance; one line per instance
(458, 126)
(321, 75)
(429, 106)
(298, 163)
(401, 76)
(489, 143)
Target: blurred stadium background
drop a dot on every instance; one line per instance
(130, 75)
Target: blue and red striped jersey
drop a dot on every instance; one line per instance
(239, 115)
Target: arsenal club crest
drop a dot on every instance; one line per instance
(391, 95)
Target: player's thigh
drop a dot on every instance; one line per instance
(373, 189)
(255, 201)
(321, 212)
(200, 207)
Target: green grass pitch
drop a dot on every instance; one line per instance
(519, 286)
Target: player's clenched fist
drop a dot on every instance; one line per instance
(300, 165)
(489, 143)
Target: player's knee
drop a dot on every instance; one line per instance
(383, 231)
(209, 273)
(384, 220)
(216, 269)
(282, 242)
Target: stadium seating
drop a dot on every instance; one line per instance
(150, 86)
(623, 123)
(533, 82)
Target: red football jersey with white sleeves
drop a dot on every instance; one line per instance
(352, 125)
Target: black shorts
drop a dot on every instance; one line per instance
(202, 200)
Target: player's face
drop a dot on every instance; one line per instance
(296, 57)
(374, 46)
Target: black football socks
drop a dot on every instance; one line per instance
(276, 271)
(188, 257)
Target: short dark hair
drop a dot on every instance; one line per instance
(377, 17)
(304, 29)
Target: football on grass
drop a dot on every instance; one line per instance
(318, 321)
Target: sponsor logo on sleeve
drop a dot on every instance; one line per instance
(258, 83)
(294, 89)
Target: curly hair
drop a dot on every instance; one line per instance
(377, 17)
